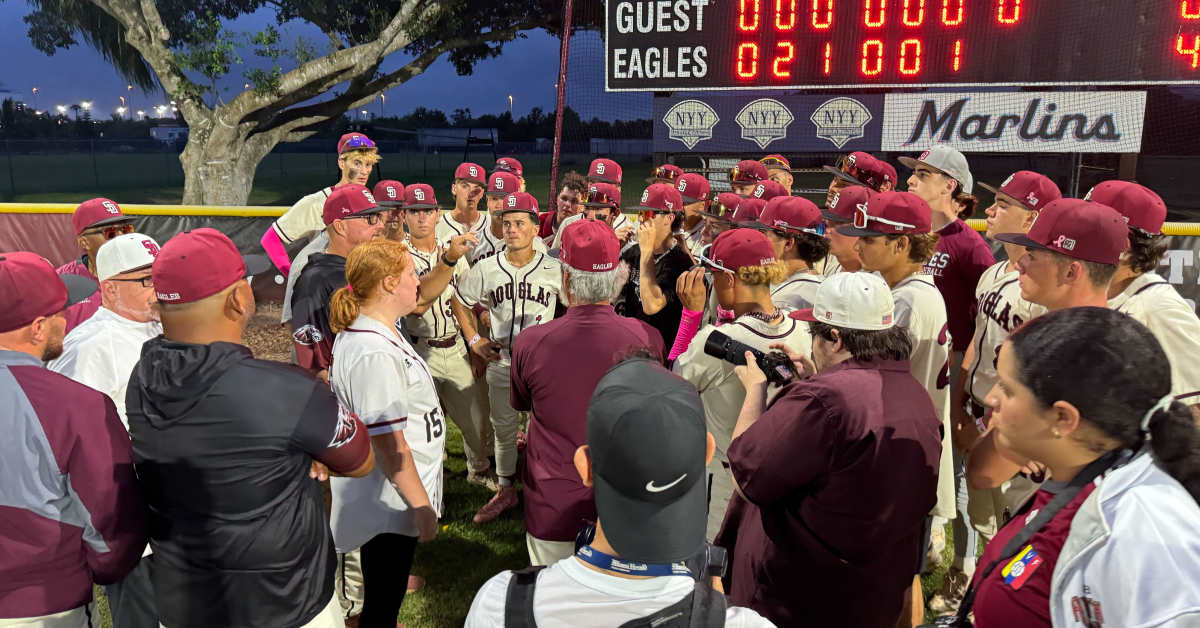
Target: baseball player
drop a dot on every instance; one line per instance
(1141, 293)
(856, 169)
(779, 170)
(389, 193)
(357, 156)
(696, 193)
(574, 188)
(603, 171)
(468, 187)
(666, 173)
(743, 265)
(436, 336)
(518, 288)
(512, 166)
(767, 190)
(602, 202)
(796, 231)
(894, 239)
(491, 240)
(746, 175)
(842, 256)
(95, 221)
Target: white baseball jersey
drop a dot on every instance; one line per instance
(304, 219)
(1001, 310)
(378, 376)
(1155, 303)
(448, 227)
(722, 393)
(438, 321)
(515, 298)
(830, 266)
(619, 222)
(694, 238)
(921, 310)
(797, 291)
(490, 245)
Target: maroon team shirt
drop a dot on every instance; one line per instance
(555, 369)
(962, 256)
(547, 223)
(1020, 595)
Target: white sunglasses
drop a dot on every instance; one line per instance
(861, 218)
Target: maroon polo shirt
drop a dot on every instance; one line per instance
(839, 474)
(962, 256)
(555, 369)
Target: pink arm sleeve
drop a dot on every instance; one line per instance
(276, 251)
(689, 324)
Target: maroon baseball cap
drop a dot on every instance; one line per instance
(389, 193)
(199, 263)
(748, 210)
(1140, 206)
(352, 141)
(1031, 189)
(471, 172)
(723, 207)
(590, 246)
(96, 212)
(660, 197)
(350, 200)
(1083, 230)
(889, 213)
(737, 248)
(520, 202)
(602, 195)
(511, 166)
(605, 171)
(862, 168)
(35, 290)
(793, 214)
(419, 196)
(502, 183)
(693, 188)
(748, 171)
(841, 209)
(768, 189)
(776, 161)
(666, 173)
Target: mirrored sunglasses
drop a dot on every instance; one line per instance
(111, 231)
(360, 141)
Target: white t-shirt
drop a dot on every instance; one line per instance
(304, 219)
(798, 291)
(569, 594)
(619, 222)
(378, 376)
(515, 298)
(1001, 310)
(1155, 303)
(102, 351)
(921, 310)
(438, 321)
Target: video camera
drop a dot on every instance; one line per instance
(776, 365)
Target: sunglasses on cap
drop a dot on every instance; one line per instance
(111, 231)
(711, 264)
(359, 141)
(733, 173)
(772, 162)
(782, 225)
(598, 197)
(660, 172)
(649, 214)
(846, 165)
(720, 210)
(861, 218)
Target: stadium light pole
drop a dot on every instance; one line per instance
(510, 105)
(382, 104)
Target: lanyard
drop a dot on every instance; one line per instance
(603, 561)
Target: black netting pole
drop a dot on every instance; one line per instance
(562, 97)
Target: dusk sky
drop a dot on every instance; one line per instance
(527, 69)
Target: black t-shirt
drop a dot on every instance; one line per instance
(322, 276)
(667, 269)
(222, 444)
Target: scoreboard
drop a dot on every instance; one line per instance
(685, 45)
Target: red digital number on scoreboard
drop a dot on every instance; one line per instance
(906, 57)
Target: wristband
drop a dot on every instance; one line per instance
(474, 339)
(448, 262)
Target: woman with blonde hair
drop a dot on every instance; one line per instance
(378, 376)
(743, 267)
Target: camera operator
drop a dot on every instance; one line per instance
(743, 267)
(838, 474)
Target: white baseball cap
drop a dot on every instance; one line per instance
(948, 161)
(853, 301)
(125, 253)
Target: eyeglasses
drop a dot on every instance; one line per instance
(359, 141)
(147, 281)
(372, 219)
(712, 264)
(818, 229)
(664, 173)
(861, 218)
(111, 231)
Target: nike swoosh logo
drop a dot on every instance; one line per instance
(658, 489)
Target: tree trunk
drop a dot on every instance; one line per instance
(219, 167)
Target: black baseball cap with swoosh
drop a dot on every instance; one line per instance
(647, 440)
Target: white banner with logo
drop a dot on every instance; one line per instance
(1024, 122)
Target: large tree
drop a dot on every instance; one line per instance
(186, 47)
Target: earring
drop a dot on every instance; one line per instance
(1056, 433)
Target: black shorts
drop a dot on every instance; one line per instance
(926, 534)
